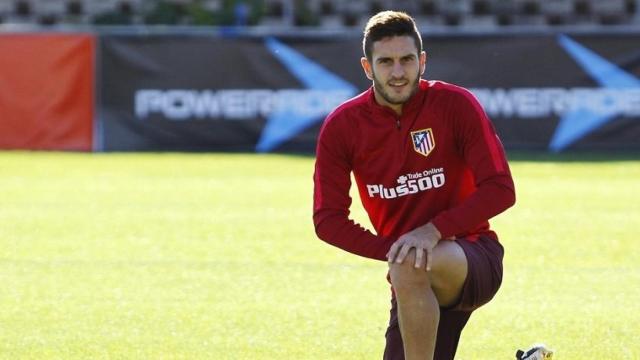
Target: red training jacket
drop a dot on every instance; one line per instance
(440, 161)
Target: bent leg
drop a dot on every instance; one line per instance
(483, 278)
(418, 309)
(419, 295)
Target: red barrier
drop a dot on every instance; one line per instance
(47, 91)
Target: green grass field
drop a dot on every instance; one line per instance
(213, 256)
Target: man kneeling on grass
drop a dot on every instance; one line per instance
(430, 171)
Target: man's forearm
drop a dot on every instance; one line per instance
(338, 230)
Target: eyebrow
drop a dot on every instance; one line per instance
(405, 57)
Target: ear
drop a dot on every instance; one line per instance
(366, 66)
(423, 62)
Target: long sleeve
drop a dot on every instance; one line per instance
(332, 181)
(483, 152)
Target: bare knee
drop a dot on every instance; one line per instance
(406, 278)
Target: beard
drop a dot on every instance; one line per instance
(393, 99)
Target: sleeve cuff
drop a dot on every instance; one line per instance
(446, 228)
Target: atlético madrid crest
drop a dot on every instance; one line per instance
(423, 141)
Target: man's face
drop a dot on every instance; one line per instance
(395, 69)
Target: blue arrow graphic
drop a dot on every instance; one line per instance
(581, 121)
(300, 112)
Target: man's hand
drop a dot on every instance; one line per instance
(423, 239)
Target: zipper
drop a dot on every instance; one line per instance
(398, 122)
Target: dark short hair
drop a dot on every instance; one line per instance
(389, 23)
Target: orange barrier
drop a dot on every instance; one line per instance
(47, 91)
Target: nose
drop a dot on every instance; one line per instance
(398, 70)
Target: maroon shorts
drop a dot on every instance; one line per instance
(484, 258)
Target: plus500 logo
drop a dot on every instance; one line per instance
(408, 185)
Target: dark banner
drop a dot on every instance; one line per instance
(206, 93)
(209, 93)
